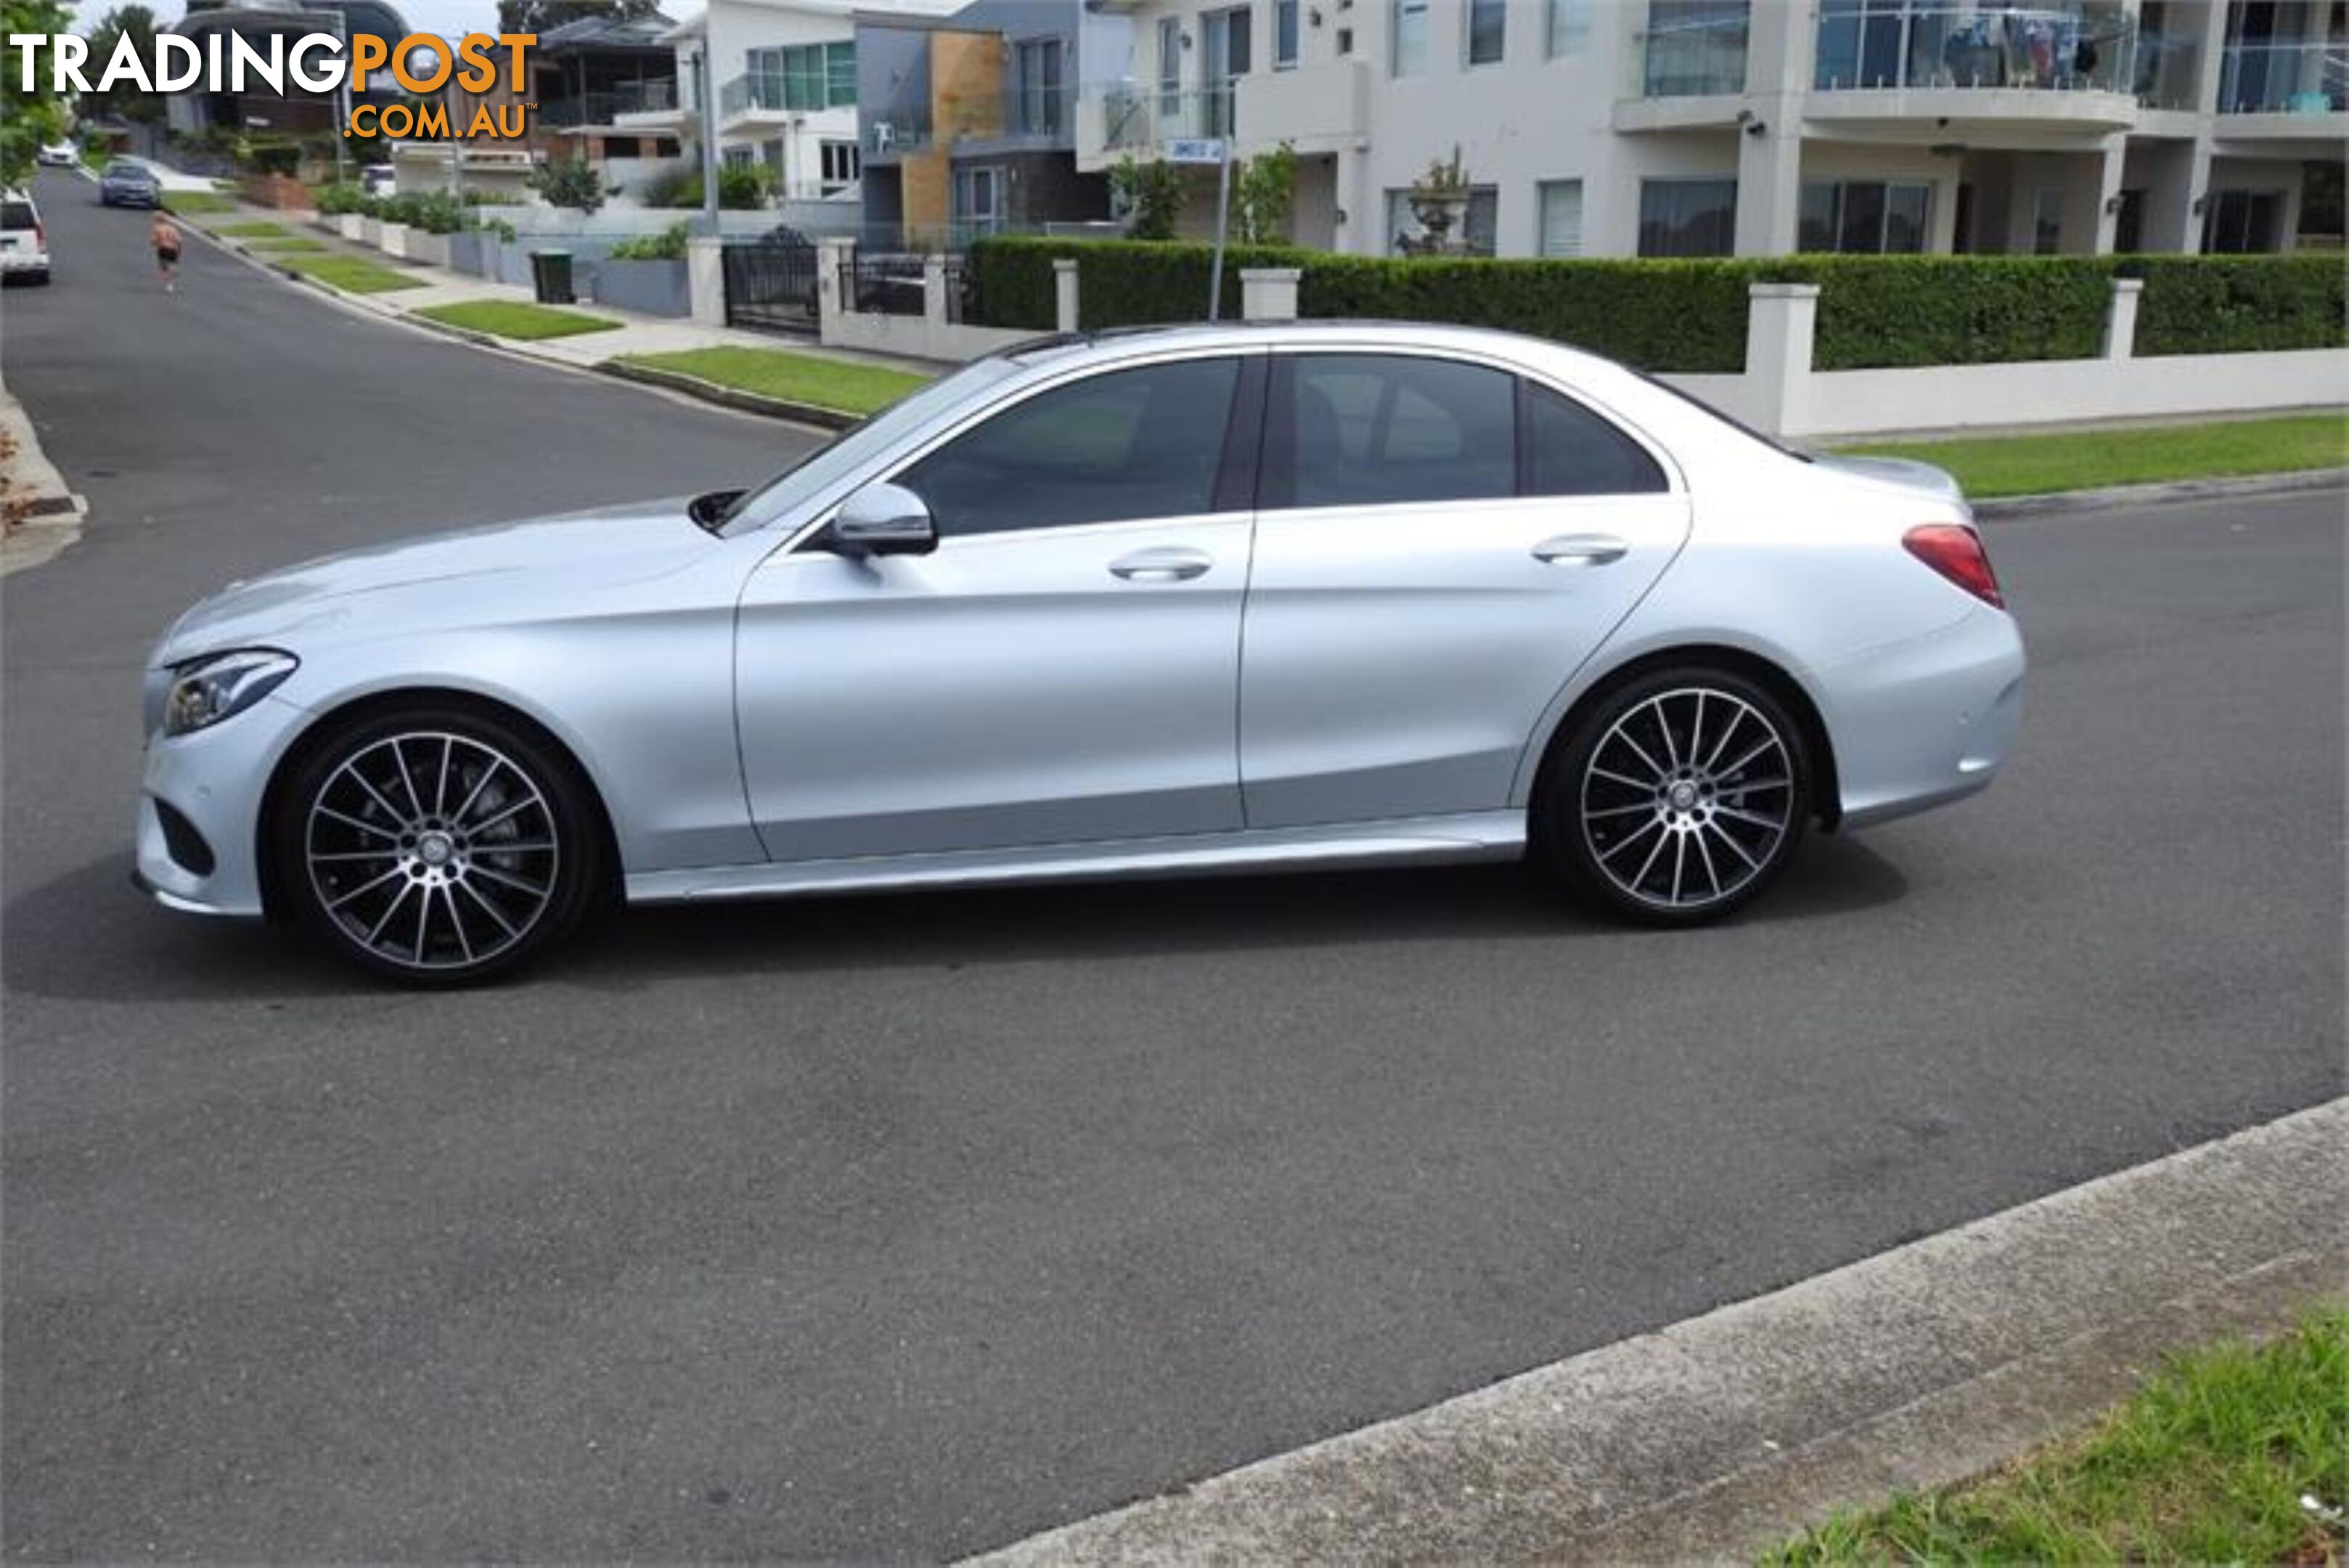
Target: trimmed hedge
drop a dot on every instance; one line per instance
(2239, 305)
(1689, 315)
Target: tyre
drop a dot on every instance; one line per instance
(439, 846)
(1681, 796)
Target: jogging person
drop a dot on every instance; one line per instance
(164, 236)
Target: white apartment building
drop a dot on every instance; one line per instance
(1756, 127)
(786, 89)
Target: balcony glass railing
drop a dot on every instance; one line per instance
(1135, 117)
(2169, 69)
(894, 136)
(2285, 79)
(1693, 48)
(1866, 44)
(644, 98)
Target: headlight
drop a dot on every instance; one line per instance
(205, 691)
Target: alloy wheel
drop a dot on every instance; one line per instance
(1686, 798)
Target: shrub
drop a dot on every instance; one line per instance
(1150, 196)
(569, 182)
(1127, 283)
(434, 211)
(2236, 304)
(666, 245)
(495, 199)
(498, 226)
(741, 188)
(338, 196)
(667, 188)
(1889, 311)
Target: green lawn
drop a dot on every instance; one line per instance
(514, 320)
(797, 378)
(355, 273)
(289, 244)
(189, 202)
(251, 231)
(2208, 1463)
(2084, 460)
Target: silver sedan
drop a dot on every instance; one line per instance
(1202, 600)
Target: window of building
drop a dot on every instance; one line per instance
(622, 146)
(1284, 33)
(1870, 216)
(737, 157)
(1488, 22)
(1688, 217)
(1411, 37)
(1571, 450)
(1121, 446)
(668, 146)
(1170, 64)
(841, 164)
(1569, 27)
(804, 76)
(1369, 429)
(978, 200)
(1561, 217)
(1695, 47)
(2047, 222)
(1036, 67)
(1229, 45)
(2243, 222)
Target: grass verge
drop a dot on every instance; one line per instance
(287, 246)
(193, 202)
(513, 319)
(251, 231)
(795, 377)
(355, 273)
(2208, 1463)
(2088, 460)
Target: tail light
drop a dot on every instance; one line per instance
(40, 237)
(1956, 552)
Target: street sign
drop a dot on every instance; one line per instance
(1196, 149)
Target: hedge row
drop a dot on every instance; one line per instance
(1689, 316)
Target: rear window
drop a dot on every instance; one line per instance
(16, 215)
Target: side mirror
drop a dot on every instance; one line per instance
(884, 520)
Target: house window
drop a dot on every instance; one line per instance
(804, 76)
(1569, 27)
(1170, 64)
(1487, 31)
(1228, 40)
(1284, 33)
(1411, 37)
(1036, 65)
(622, 146)
(2243, 222)
(840, 164)
(1561, 217)
(978, 200)
(1688, 217)
(1695, 47)
(1870, 216)
(739, 156)
(668, 146)
(2047, 222)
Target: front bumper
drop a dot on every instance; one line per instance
(215, 780)
(1927, 721)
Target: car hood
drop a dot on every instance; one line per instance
(502, 573)
(1937, 482)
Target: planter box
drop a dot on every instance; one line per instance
(372, 231)
(393, 239)
(473, 252)
(430, 248)
(352, 226)
(647, 287)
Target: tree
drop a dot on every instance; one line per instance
(28, 119)
(1261, 193)
(546, 16)
(137, 23)
(1150, 196)
(569, 182)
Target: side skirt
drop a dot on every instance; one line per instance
(1477, 835)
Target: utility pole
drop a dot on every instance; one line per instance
(704, 72)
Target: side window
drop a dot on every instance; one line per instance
(1361, 429)
(1570, 451)
(1145, 442)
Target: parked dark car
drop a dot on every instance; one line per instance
(128, 185)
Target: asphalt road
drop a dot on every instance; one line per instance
(906, 1227)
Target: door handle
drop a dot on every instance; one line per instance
(1580, 550)
(1167, 563)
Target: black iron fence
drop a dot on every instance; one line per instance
(770, 285)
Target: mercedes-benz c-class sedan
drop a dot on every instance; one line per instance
(1234, 598)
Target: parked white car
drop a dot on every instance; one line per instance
(57, 155)
(24, 242)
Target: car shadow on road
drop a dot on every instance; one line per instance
(88, 934)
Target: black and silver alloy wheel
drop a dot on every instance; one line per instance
(1685, 795)
(437, 851)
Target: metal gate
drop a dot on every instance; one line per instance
(770, 285)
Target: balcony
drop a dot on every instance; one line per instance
(2058, 68)
(1131, 120)
(652, 106)
(1316, 109)
(604, 106)
(2285, 89)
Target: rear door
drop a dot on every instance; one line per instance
(1440, 543)
(19, 227)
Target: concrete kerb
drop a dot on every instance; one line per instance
(53, 514)
(728, 396)
(1710, 1440)
(2118, 496)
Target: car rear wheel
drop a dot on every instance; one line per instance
(438, 846)
(1681, 796)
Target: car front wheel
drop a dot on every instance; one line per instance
(1681, 796)
(439, 847)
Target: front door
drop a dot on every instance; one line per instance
(1440, 544)
(1065, 667)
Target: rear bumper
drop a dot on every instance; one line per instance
(23, 261)
(1925, 721)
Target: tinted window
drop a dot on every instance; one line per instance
(1364, 428)
(16, 215)
(1131, 443)
(1570, 451)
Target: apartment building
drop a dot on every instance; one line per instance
(969, 120)
(786, 82)
(1675, 127)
